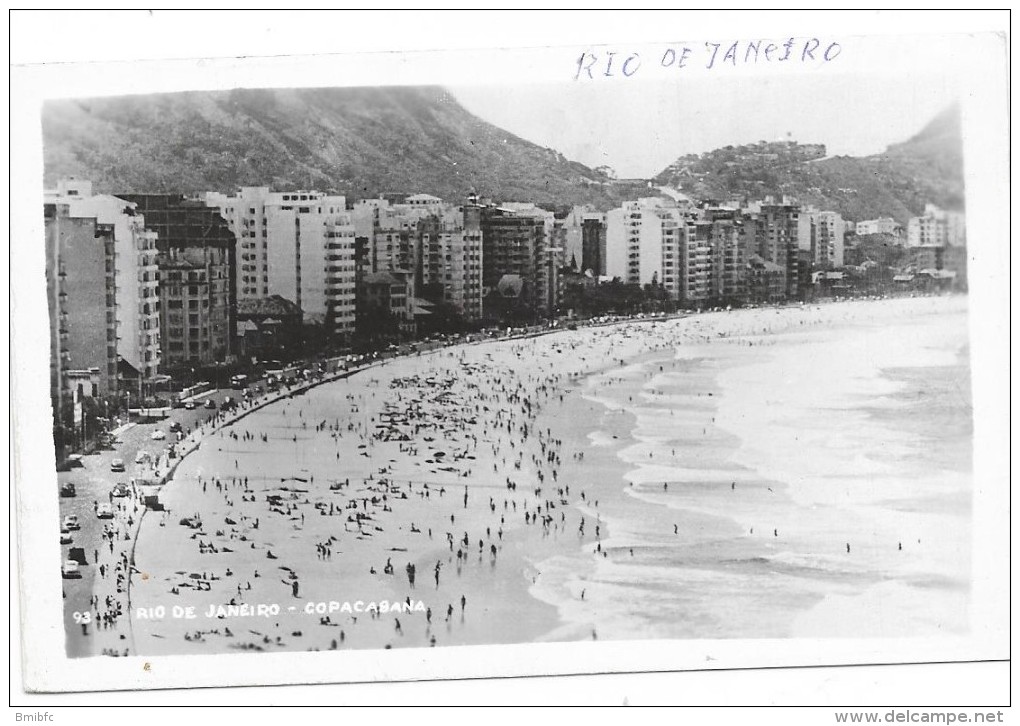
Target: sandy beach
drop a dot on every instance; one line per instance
(754, 473)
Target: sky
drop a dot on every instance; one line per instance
(640, 128)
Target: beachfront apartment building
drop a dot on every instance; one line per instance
(720, 230)
(392, 244)
(937, 227)
(196, 257)
(550, 254)
(245, 213)
(696, 262)
(449, 244)
(772, 231)
(823, 234)
(649, 242)
(82, 304)
(435, 247)
(137, 294)
(310, 258)
(516, 252)
(392, 233)
(298, 245)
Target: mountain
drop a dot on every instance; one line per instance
(363, 142)
(356, 141)
(896, 183)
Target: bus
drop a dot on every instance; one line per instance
(196, 389)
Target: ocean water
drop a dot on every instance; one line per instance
(812, 482)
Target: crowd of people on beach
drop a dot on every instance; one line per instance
(437, 466)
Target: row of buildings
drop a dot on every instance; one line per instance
(935, 228)
(703, 253)
(146, 286)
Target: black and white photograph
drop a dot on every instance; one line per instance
(677, 352)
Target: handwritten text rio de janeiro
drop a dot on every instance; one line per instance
(591, 65)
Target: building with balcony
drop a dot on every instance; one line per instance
(81, 296)
(772, 232)
(727, 253)
(245, 213)
(298, 245)
(196, 258)
(137, 277)
(648, 242)
(449, 245)
(823, 235)
(515, 244)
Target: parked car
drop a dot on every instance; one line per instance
(117, 465)
(65, 537)
(158, 435)
(71, 522)
(209, 403)
(120, 490)
(70, 570)
(104, 511)
(67, 490)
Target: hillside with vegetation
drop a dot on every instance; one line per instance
(356, 141)
(896, 183)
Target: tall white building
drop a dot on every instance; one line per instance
(136, 271)
(298, 245)
(432, 242)
(645, 242)
(823, 234)
(937, 227)
(391, 233)
(245, 213)
(450, 249)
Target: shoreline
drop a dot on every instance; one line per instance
(715, 543)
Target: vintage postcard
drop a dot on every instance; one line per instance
(477, 363)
